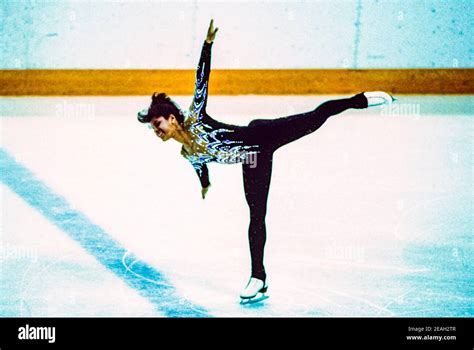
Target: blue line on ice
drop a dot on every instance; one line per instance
(149, 282)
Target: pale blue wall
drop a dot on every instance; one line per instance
(311, 34)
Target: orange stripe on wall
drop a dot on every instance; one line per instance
(80, 82)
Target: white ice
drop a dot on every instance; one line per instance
(371, 215)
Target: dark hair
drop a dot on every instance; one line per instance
(161, 105)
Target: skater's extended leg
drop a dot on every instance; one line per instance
(256, 185)
(285, 130)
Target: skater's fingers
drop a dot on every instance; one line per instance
(204, 192)
(211, 32)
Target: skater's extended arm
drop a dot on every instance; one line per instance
(202, 172)
(203, 71)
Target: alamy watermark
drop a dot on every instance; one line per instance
(401, 110)
(353, 253)
(72, 110)
(28, 332)
(13, 252)
(244, 157)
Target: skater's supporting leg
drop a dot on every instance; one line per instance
(256, 185)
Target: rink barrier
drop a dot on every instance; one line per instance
(130, 82)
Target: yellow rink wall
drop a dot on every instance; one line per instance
(80, 82)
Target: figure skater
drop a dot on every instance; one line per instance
(205, 140)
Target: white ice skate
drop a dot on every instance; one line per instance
(254, 291)
(378, 98)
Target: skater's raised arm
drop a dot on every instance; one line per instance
(203, 71)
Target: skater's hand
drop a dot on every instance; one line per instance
(204, 191)
(211, 32)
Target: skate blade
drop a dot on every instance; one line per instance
(256, 299)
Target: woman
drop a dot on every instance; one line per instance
(207, 140)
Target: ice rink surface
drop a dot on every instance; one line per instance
(371, 215)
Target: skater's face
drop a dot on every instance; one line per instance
(164, 128)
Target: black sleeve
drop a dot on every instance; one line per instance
(203, 174)
(202, 77)
(201, 169)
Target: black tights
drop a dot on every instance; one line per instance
(270, 135)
